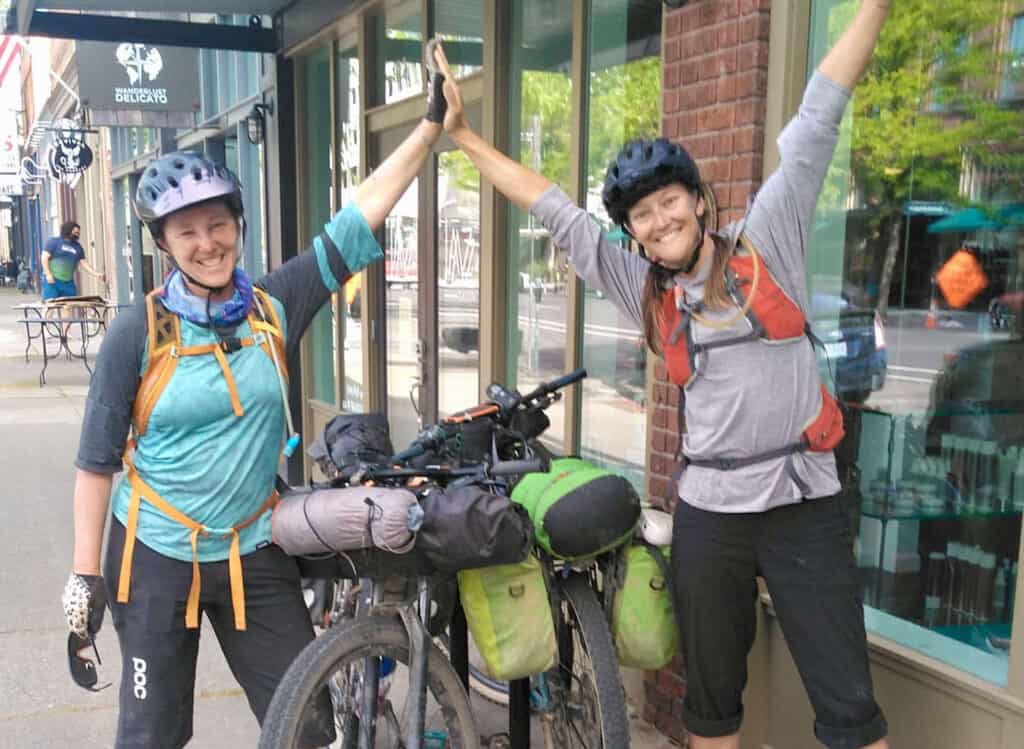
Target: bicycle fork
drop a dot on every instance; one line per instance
(418, 629)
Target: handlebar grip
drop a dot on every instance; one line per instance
(412, 451)
(515, 467)
(567, 379)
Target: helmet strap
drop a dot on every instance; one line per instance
(695, 252)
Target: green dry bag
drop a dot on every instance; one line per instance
(509, 615)
(578, 509)
(644, 628)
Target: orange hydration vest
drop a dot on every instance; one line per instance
(165, 349)
(774, 317)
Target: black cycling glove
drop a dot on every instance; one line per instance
(437, 105)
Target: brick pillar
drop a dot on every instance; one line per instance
(714, 96)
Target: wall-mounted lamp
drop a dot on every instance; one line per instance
(255, 125)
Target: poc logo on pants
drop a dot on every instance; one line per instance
(139, 678)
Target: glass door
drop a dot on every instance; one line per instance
(457, 224)
(431, 243)
(403, 347)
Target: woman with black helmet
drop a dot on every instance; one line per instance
(726, 309)
(190, 396)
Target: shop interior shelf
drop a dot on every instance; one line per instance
(871, 510)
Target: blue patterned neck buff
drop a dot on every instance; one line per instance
(181, 301)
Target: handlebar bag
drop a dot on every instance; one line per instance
(351, 439)
(467, 527)
(579, 509)
(643, 625)
(313, 521)
(508, 612)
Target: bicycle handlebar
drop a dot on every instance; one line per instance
(503, 405)
(556, 384)
(515, 467)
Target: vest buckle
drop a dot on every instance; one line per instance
(231, 344)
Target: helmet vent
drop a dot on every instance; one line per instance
(152, 194)
(197, 173)
(179, 164)
(173, 182)
(152, 173)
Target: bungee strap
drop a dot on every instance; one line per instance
(140, 490)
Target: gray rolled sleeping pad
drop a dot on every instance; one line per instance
(314, 521)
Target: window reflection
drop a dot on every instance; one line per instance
(915, 270)
(316, 94)
(625, 95)
(347, 109)
(540, 102)
(401, 273)
(458, 283)
(460, 26)
(399, 46)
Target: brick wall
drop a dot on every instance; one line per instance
(715, 90)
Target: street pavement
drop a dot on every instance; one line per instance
(40, 707)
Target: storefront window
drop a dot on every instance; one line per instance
(458, 282)
(399, 45)
(347, 107)
(316, 95)
(540, 134)
(916, 274)
(625, 95)
(460, 26)
(402, 274)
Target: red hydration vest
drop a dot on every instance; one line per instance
(774, 317)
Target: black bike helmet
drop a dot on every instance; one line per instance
(642, 167)
(181, 179)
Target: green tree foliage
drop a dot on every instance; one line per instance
(929, 102)
(624, 105)
(927, 109)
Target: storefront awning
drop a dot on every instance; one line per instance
(101, 20)
(967, 220)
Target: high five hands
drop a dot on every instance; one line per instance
(455, 117)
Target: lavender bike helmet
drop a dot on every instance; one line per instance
(181, 179)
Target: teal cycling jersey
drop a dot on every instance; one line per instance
(196, 453)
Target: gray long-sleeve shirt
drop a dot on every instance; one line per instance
(753, 397)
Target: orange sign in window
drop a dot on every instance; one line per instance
(961, 279)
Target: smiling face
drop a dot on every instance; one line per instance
(665, 223)
(203, 240)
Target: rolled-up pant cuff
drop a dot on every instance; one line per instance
(852, 737)
(709, 728)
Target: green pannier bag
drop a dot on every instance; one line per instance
(578, 509)
(643, 625)
(509, 615)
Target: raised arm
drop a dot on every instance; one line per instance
(846, 62)
(513, 180)
(379, 192)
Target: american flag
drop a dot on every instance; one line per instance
(10, 52)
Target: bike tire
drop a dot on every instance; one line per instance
(480, 682)
(348, 644)
(583, 613)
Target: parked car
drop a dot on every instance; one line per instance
(853, 339)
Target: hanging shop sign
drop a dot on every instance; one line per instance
(10, 164)
(139, 77)
(69, 154)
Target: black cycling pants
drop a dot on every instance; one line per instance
(804, 551)
(159, 654)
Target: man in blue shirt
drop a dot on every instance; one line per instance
(61, 255)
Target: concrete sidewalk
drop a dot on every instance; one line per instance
(39, 431)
